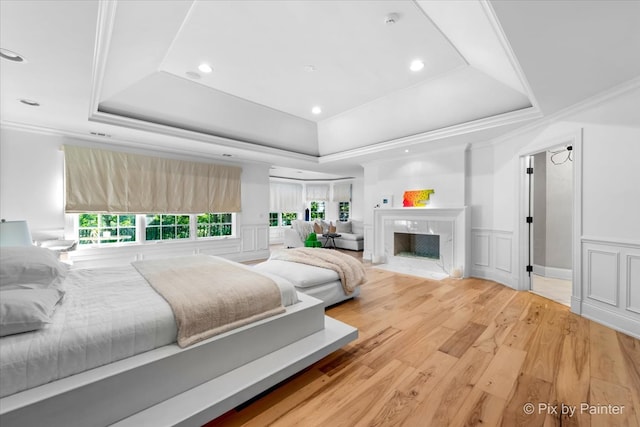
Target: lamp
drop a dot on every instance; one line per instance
(14, 233)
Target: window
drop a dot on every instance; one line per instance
(100, 228)
(166, 227)
(317, 210)
(273, 219)
(343, 210)
(108, 229)
(287, 217)
(215, 224)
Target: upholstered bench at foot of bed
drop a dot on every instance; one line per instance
(317, 282)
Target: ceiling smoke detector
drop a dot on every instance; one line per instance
(391, 18)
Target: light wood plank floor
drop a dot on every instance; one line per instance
(458, 353)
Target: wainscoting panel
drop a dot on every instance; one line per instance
(249, 239)
(633, 283)
(493, 256)
(480, 248)
(252, 244)
(611, 283)
(504, 252)
(120, 255)
(262, 234)
(603, 279)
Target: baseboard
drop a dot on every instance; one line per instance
(503, 279)
(576, 305)
(553, 272)
(611, 319)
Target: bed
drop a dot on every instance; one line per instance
(105, 358)
(313, 276)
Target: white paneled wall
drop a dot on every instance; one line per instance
(252, 244)
(611, 283)
(493, 255)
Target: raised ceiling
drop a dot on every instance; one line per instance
(127, 69)
(273, 61)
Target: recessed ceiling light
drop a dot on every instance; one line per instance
(416, 65)
(205, 68)
(30, 102)
(406, 151)
(192, 75)
(316, 110)
(10, 55)
(100, 134)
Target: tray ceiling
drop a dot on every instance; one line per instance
(272, 62)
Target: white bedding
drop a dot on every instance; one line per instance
(106, 315)
(317, 282)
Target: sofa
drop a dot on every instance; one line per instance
(351, 233)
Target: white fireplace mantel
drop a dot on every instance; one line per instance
(456, 217)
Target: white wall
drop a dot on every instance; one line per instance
(442, 171)
(32, 176)
(32, 179)
(609, 288)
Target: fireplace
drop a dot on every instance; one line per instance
(428, 242)
(416, 245)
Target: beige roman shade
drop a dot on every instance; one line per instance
(318, 192)
(285, 197)
(342, 192)
(108, 181)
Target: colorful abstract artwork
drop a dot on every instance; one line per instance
(416, 198)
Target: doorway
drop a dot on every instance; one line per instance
(550, 220)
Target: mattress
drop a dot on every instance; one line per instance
(317, 282)
(301, 275)
(106, 315)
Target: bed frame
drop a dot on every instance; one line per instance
(186, 387)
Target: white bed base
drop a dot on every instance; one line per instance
(173, 386)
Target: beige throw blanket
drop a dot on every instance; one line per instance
(210, 295)
(350, 270)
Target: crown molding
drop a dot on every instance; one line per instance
(590, 102)
(104, 29)
(210, 151)
(436, 135)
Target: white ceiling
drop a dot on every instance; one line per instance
(120, 68)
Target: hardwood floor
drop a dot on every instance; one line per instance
(459, 353)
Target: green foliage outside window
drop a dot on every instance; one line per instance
(273, 219)
(214, 225)
(96, 228)
(343, 209)
(166, 227)
(317, 210)
(287, 217)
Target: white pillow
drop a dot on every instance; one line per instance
(24, 310)
(343, 227)
(30, 265)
